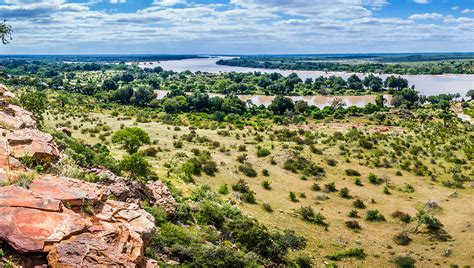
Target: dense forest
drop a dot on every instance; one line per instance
(407, 65)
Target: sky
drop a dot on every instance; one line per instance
(238, 26)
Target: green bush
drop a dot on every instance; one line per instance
(223, 189)
(308, 214)
(374, 215)
(352, 172)
(353, 225)
(344, 193)
(356, 253)
(374, 179)
(304, 261)
(404, 262)
(266, 184)
(248, 170)
(267, 207)
(241, 186)
(402, 239)
(315, 187)
(330, 187)
(404, 217)
(263, 152)
(358, 204)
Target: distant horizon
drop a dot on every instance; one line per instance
(240, 54)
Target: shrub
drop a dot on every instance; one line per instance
(304, 261)
(374, 215)
(404, 262)
(344, 193)
(267, 207)
(265, 172)
(178, 144)
(241, 186)
(242, 148)
(308, 214)
(430, 221)
(249, 197)
(293, 197)
(263, 152)
(374, 179)
(402, 239)
(356, 253)
(266, 185)
(386, 190)
(242, 158)
(331, 162)
(404, 217)
(353, 213)
(353, 225)
(330, 187)
(210, 167)
(210, 214)
(150, 152)
(248, 170)
(358, 204)
(315, 187)
(358, 182)
(352, 172)
(223, 189)
(131, 138)
(303, 165)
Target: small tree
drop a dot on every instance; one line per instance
(136, 166)
(131, 138)
(470, 94)
(35, 102)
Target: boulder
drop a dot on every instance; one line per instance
(33, 230)
(130, 215)
(112, 245)
(16, 196)
(70, 191)
(160, 196)
(33, 143)
(15, 117)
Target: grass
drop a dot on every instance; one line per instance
(321, 242)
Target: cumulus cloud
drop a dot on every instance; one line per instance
(468, 11)
(426, 16)
(241, 26)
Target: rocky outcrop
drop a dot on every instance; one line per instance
(33, 143)
(71, 192)
(132, 191)
(64, 222)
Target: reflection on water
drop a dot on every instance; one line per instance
(425, 84)
(319, 101)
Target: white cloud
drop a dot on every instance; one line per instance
(168, 2)
(118, 1)
(422, 1)
(244, 26)
(426, 16)
(468, 11)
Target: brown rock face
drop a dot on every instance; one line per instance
(113, 246)
(70, 191)
(32, 230)
(33, 143)
(14, 117)
(130, 215)
(161, 196)
(15, 196)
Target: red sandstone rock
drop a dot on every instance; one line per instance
(14, 117)
(34, 143)
(161, 196)
(71, 191)
(134, 218)
(115, 246)
(16, 196)
(33, 230)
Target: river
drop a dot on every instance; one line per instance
(425, 84)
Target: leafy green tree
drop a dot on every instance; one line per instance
(123, 94)
(5, 32)
(109, 85)
(470, 94)
(35, 102)
(281, 104)
(136, 166)
(142, 96)
(131, 138)
(354, 82)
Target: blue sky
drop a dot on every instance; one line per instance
(237, 26)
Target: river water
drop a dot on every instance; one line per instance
(425, 84)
